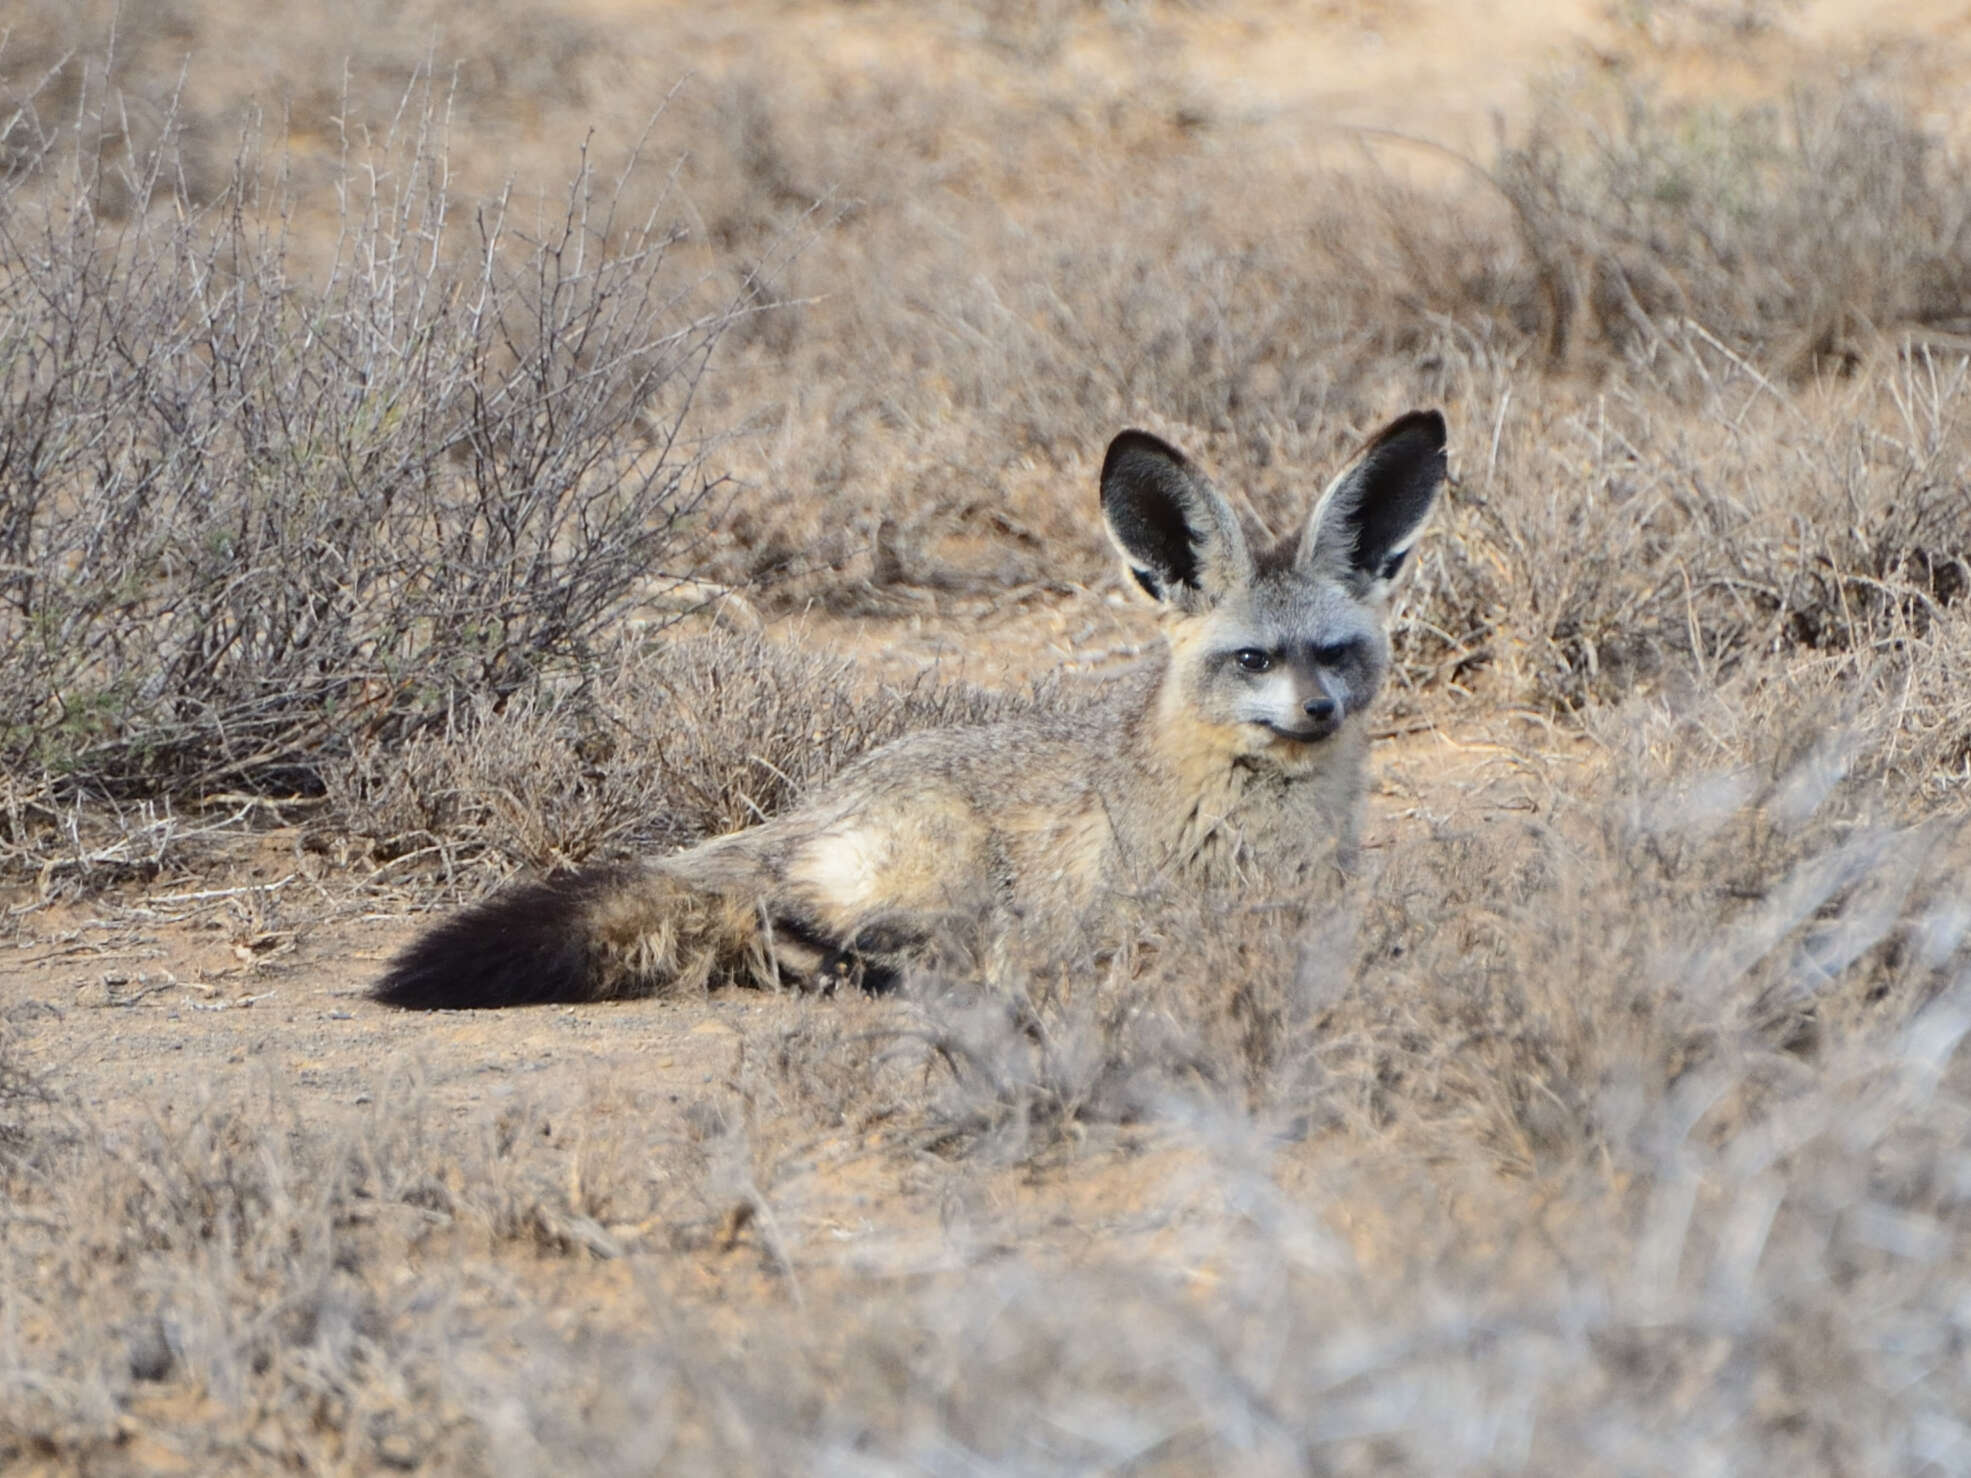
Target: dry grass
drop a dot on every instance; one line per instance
(1613, 1119)
(687, 738)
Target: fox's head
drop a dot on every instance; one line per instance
(1279, 646)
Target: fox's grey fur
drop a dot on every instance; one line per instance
(1240, 756)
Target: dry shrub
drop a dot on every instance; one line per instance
(1750, 542)
(1534, 985)
(252, 521)
(1795, 233)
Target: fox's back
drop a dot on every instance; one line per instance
(1030, 815)
(1046, 818)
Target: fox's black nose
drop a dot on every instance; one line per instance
(1321, 710)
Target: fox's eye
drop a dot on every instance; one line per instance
(1252, 659)
(1334, 653)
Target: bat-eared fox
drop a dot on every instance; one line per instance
(1237, 759)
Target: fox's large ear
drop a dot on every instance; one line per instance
(1180, 538)
(1366, 521)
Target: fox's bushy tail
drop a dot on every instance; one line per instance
(604, 933)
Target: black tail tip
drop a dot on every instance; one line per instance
(527, 945)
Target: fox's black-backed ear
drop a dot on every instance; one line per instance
(1180, 538)
(1366, 521)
